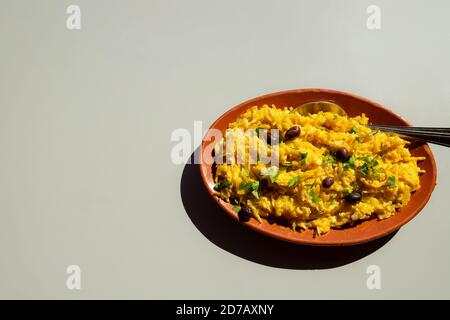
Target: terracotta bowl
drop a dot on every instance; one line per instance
(353, 105)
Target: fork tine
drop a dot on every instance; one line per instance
(424, 130)
(424, 134)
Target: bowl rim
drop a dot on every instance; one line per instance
(279, 235)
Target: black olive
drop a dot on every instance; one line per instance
(342, 154)
(214, 169)
(269, 138)
(263, 184)
(272, 139)
(218, 158)
(245, 213)
(292, 133)
(354, 197)
(327, 182)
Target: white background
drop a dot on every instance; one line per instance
(85, 123)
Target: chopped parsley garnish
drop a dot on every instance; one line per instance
(364, 169)
(345, 192)
(310, 184)
(303, 157)
(236, 209)
(222, 184)
(287, 164)
(250, 187)
(368, 166)
(350, 163)
(294, 181)
(272, 173)
(314, 196)
(329, 159)
(375, 173)
(371, 161)
(372, 133)
(391, 182)
(353, 130)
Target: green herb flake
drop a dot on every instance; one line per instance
(250, 187)
(272, 173)
(314, 196)
(329, 159)
(391, 182)
(370, 161)
(236, 209)
(303, 157)
(364, 169)
(294, 181)
(353, 130)
(245, 185)
(365, 159)
(375, 173)
(345, 192)
(245, 171)
(368, 166)
(310, 184)
(350, 163)
(223, 184)
(287, 164)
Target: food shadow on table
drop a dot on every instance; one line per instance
(243, 242)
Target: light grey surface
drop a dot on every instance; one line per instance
(86, 118)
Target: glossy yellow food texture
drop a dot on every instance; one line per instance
(381, 168)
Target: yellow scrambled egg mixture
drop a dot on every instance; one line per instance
(332, 170)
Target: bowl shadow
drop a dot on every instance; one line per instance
(224, 232)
